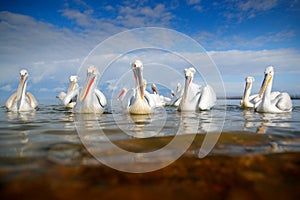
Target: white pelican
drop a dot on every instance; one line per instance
(22, 100)
(194, 98)
(138, 104)
(73, 86)
(89, 98)
(159, 99)
(126, 97)
(253, 100)
(176, 97)
(132, 99)
(279, 104)
(247, 100)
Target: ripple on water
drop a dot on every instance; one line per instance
(51, 133)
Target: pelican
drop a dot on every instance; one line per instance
(159, 99)
(126, 97)
(253, 100)
(138, 104)
(279, 104)
(73, 86)
(247, 100)
(22, 100)
(89, 98)
(193, 97)
(176, 97)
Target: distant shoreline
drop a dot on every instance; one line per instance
(293, 97)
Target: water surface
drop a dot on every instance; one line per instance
(50, 133)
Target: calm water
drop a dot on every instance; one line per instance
(29, 140)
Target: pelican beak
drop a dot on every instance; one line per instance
(90, 79)
(72, 86)
(154, 90)
(23, 80)
(188, 80)
(139, 80)
(121, 94)
(264, 85)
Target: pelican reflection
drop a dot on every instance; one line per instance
(23, 116)
(200, 122)
(139, 126)
(263, 121)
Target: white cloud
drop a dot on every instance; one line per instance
(132, 17)
(50, 52)
(243, 63)
(241, 10)
(195, 4)
(221, 41)
(56, 89)
(235, 65)
(257, 5)
(6, 88)
(82, 19)
(43, 49)
(129, 15)
(192, 2)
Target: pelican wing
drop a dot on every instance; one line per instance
(275, 94)
(71, 95)
(128, 99)
(165, 100)
(253, 98)
(101, 98)
(283, 102)
(61, 96)
(11, 101)
(153, 100)
(31, 100)
(175, 101)
(208, 98)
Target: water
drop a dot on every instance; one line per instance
(31, 140)
(50, 154)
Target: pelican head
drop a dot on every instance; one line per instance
(153, 87)
(92, 74)
(137, 68)
(249, 81)
(172, 93)
(22, 84)
(269, 73)
(189, 75)
(73, 81)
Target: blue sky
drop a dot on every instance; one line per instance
(51, 38)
